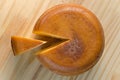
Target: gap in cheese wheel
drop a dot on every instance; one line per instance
(51, 41)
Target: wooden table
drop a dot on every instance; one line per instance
(17, 17)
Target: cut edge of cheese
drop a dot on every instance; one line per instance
(21, 45)
(52, 41)
(51, 44)
(44, 34)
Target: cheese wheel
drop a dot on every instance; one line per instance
(85, 36)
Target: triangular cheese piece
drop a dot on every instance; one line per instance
(20, 44)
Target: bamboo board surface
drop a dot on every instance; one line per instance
(17, 17)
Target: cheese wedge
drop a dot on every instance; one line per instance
(21, 45)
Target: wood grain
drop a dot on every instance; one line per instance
(17, 17)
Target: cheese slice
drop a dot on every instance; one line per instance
(21, 45)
